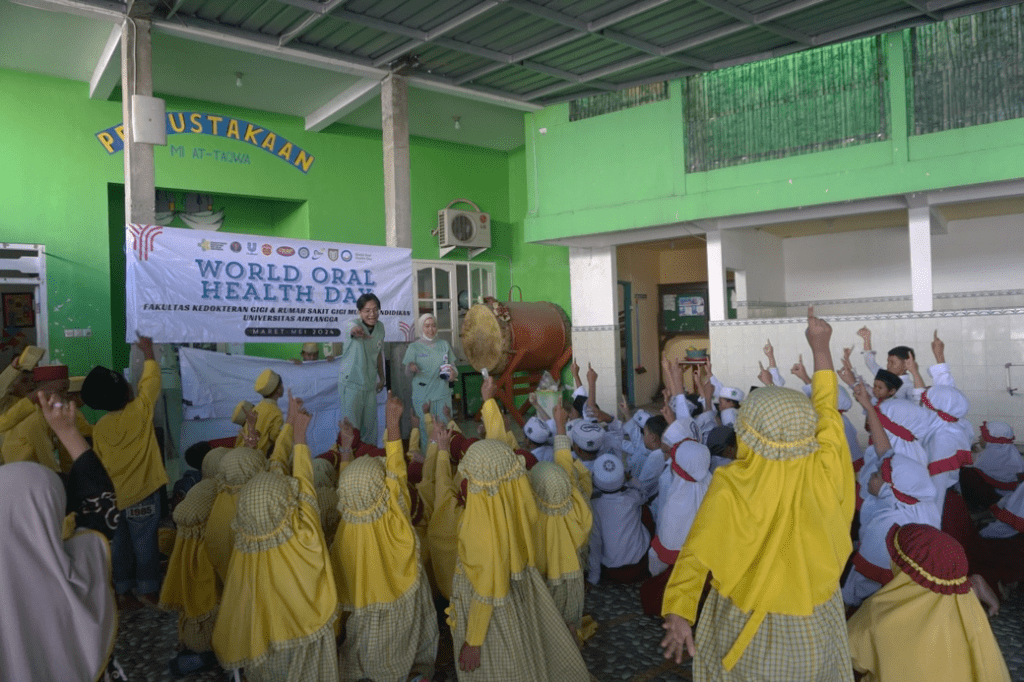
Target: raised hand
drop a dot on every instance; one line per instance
(800, 371)
(770, 352)
(764, 376)
(251, 437)
(938, 349)
(862, 395)
(560, 416)
(348, 434)
(865, 334)
(488, 388)
(591, 375)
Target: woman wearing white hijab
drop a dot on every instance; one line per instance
(429, 361)
(59, 616)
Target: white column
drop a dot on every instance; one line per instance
(593, 279)
(716, 276)
(394, 108)
(920, 233)
(137, 79)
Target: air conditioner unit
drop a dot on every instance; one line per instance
(470, 229)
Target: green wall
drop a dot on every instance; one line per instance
(61, 188)
(626, 169)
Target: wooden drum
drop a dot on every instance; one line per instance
(493, 332)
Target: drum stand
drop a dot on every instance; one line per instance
(509, 387)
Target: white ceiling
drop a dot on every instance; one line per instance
(69, 46)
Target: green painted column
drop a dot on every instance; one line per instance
(896, 66)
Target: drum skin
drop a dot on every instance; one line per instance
(494, 331)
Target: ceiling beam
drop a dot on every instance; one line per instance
(922, 7)
(341, 106)
(628, 12)
(174, 8)
(256, 43)
(871, 25)
(98, 9)
(107, 74)
(787, 9)
(308, 5)
(308, 21)
(434, 33)
(653, 49)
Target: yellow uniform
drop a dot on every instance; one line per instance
(381, 581)
(126, 443)
(499, 601)
(269, 421)
(280, 604)
(442, 529)
(192, 587)
(28, 437)
(561, 532)
(236, 468)
(774, 530)
(908, 633)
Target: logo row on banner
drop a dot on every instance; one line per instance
(191, 286)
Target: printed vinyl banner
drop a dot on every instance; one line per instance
(192, 286)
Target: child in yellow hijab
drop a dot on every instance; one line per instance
(280, 604)
(191, 586)
(503, 620)
(236, 468)
(561, 532)
(925, 623)
(773, 531)
(391, 632)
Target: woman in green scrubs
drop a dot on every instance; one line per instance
(429, 362)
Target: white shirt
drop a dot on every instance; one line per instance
(618, 537)
(906, 391)
(544, 453)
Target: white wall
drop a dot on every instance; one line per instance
(975, 255)
(761, 256)
(977, 350)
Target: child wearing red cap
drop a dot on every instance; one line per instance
(26, 436)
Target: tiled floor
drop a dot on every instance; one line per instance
(624, 648)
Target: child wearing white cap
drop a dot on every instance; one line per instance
(541, 439)
(618, 538)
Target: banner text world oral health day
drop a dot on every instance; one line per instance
(235, 281)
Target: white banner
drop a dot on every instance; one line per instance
(213, 383)
(192, 286)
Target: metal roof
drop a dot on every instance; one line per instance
(530, 53)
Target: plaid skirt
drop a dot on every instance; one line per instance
(385, 642)
(810, 648)
(527, 639)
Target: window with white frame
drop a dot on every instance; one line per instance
(447, 289)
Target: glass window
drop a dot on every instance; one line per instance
(437, 280)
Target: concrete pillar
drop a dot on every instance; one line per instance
(716, 276)
(137, 79)
(593, 280)
(394, 108)
(920, 234)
